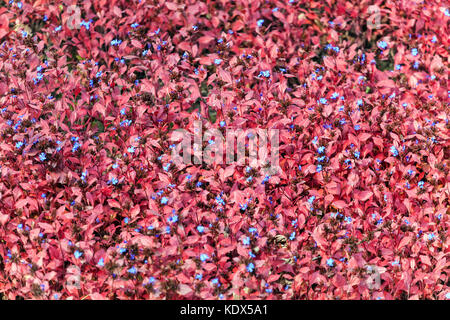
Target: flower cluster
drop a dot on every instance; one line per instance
(93, 205)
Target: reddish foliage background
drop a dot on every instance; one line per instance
(91, 206)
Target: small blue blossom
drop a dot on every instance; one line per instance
(172, 219)
(132, 270)
(101, 262)
(164, 200)
(414, 52)
(116, 42)
(42, 156)
(382, 45)
(250, 267)
(204, 257)
(260, 22)
(394, 151)
(265, 73)
(330, 262)
(77, 254)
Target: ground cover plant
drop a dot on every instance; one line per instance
(92, 205)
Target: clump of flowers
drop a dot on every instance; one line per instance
(89, 185)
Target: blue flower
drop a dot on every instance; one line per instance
(357, 127)
(319, 168)
(382, 45)
(292, 236)
(86, 24)
(126, 220)
(164, 200)
(78, 254)
(132, 270)
(246, 241)
(222, 123)
(58, 28)
(131, 149)
(204, 257)
(323, 101)
(260, 22)
(414, 52)
(101, 262)
(394, 151)
(250, 267)
(42, 156)
(201, 229)
(116, 42)
(447, 295)
(330, 262)
(321, 149)
(420, 184)
(198, 276)
(265, 73)
(172, 219)
(217, 61)
(431, 236)
(19, 144)
(135, 25)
